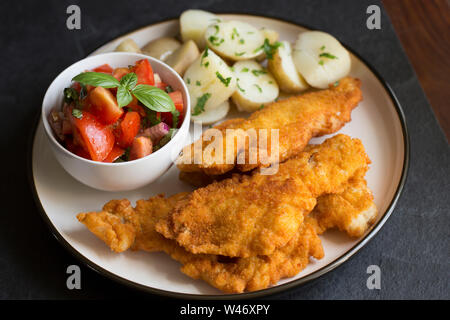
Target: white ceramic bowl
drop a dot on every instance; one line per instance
(125, 175)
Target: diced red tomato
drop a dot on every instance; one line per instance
(118, 73)
(104, 105)
(128, 129)
(136, 107)
(177, 98)
(96, 138)
(144, 72)
(105, 68)
(115, 154)
(161, 85)
(141, 147)
(78, 150)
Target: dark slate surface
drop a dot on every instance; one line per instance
(412, 249)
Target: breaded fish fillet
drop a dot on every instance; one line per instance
(254, 215)
(121, 227)
(298, 119)
(351, 211)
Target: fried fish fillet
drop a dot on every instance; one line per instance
(351, 211)
(298, 119)
(123, 227)
(254, 215)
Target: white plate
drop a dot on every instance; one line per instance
(378, 121)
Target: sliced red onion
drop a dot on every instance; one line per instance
(156, 132)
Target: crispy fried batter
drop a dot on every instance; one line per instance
(231, 275)
(254, 215)
(351, 211)
(298, 119)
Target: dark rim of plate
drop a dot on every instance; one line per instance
(264, 292)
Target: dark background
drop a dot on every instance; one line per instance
(412, 249)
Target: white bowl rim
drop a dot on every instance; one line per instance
(186, 120)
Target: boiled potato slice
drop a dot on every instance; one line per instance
(234, 40)
(183, 57)
(283, 69)
(320, 58)
(270, 35)
(210, 82)
(161, 48)
(193, 24)
(213, 115)
(128, 45)
(255, 86)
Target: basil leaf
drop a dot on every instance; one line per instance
(70, 95)
(77, 113)
(154, 98)
(129, 80)
(123, 96)
(97, 79)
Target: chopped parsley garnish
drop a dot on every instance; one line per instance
(241, 41)
(204, 55)
(215, 41)
(250, 32)
(258, 87)
(238, 54)
(321, 62)
(217, 29)
(234, 34)
(258, 72)
(261, 107)
(327, 55)
(232, 69)
(200, 106)
(244, 70)
(198, 83)
(188, 80)
(226, 81)
(336, 83)
(239, 87)
(270, 82)
(269, 49)
(77, 113)
(322, 48)
(206, 64)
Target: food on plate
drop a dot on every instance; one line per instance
(235, 40)
(283, 68)
(183, 57)
(210, 82)
(298, 119)
(256, 87)
(161, 48)
(212, 115)
(128, 45)
(123, 227)
(320, 58)
(193, 24)
(256, 214)
(351, 211)
(120, 114)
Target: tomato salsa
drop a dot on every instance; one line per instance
(115, 115)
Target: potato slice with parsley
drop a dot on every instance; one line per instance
(213, 115)
(210, 82)
(272, 37)
(193, 24)
(255, 86)
(320, 58)
(283, 69)
(235, 40)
